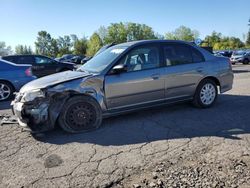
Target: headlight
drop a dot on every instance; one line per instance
(31, 95)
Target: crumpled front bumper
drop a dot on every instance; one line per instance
(34, 115)
(41, 114)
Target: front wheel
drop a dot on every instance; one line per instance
(80, 114)
(206, 94)
(246, 61)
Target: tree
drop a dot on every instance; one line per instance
(182, 33)
(80, 46)
(219, 42)
(123, 32)
(139, 32)
(43, 43)
(116, 33)
(54, 50)
(23, 50)
(64, 44)
(102, 32)
(94, 44)
(4, 50)
(248, 35)
(212, 39)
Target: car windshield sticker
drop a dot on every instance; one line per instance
(117, 51)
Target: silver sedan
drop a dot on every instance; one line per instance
(124, 77)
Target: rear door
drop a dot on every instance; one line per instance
(184, 67)
(141, 83)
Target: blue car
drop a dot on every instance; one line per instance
(12, 78)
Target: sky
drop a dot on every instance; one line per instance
(22, 19)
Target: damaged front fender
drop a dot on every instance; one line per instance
(41, 114)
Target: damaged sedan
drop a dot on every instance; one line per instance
(124, 77)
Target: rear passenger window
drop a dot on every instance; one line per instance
(10, 59)
(197, 56)
(179, 54)
(25, 60)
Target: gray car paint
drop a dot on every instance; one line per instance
(126, 91)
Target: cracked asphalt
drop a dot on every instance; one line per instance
(127, 148)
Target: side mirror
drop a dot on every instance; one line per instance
(119, 69)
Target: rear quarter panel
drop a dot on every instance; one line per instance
(15, 75)
(225, 74)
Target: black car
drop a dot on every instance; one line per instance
(77, 59)
(41, 65)
(65, 58)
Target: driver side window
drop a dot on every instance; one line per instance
(141, 59)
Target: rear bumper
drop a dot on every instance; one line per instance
(226, 82)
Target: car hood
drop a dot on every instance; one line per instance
(53, 80)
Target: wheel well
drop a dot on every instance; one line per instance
(217, 82)
(9, 83)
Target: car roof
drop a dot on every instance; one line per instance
(13, 64)
(132, 43)
(19, 55)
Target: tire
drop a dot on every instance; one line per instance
(80, 114)
(206, 94)
(245, 61)
(6, 91)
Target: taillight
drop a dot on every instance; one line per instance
(28, 72)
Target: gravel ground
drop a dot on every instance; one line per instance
(171, 146)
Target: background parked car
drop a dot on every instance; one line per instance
(12, 78)
(240, 57)
(65, 58)
(77, 59)
(41, 65)
(84, 60)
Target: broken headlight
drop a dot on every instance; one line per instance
(31, 95)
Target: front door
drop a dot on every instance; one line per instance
(142, 83)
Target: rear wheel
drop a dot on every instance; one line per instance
(6, 91)
(206, 94)
(80, 114)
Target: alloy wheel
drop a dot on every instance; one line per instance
(208, 94)
(5, 91)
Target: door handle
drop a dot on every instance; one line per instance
(200, 69)
(155, 76)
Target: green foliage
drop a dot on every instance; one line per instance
(123, 32)
(182, 33)
(94, 44)
(218, 42)
(80, 46)
(248, 36)
(43, 43)
(64, 45)
(23, 50)
(4, 50)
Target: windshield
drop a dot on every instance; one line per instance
(99, 62)
(239, 53)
